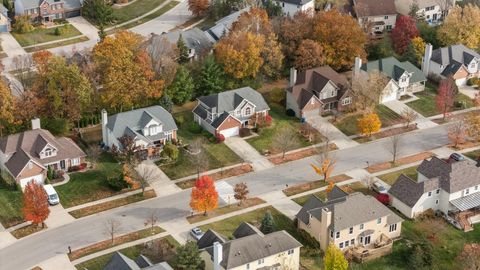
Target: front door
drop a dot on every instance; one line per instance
(62, 164)
(366, 240)
(46, 19)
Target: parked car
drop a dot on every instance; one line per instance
(196, 233)
(456, 157)
(51, 195)
(378, 187)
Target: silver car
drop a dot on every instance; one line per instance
(196, 233)
(378, 187)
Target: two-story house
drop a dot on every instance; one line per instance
(250, 249)
(457, 61)
(402, 77)
(4, 19)
(291, 7)
(196, 40)
(26, 156)
(226, 112)
(318, 90)
(440, 185)
(46, 11)
(150, 128)
(432, 11)
(349, 221)
(375, 17)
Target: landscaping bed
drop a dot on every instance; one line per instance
(385, 134)
(298, 155)
(42, 35)
(90, 210)
(391, 178)
(235, 171)
(225, 210)
(293, 190)
(11, 202)
(349, 188)
(27, 230)
(401, 161)
(129, 237)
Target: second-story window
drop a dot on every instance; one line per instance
(386, 17)
(48, 152)
(393, 227)
(350, 231)
(361, 226)
(379, 220)
(248, 111)
(337, 235)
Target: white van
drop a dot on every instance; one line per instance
(51, 194)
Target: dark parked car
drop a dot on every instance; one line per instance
(456, 157)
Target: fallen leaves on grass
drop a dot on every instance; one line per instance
(27, 230)
(293, 190)
(298, 155)
(235, 171)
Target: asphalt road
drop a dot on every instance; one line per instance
(37, 248)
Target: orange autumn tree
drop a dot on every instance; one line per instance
(204, 196)
(35, 203)
(369, 124)
(325, 169)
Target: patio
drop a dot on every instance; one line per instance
(381, 247)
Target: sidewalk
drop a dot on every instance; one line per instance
(282, 203)
(248, 153)
(10, 45)
(399, 107)
(331, 132)
(57, 262)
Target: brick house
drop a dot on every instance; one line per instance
(46, 11)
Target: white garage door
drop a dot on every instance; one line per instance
(37, 178)
(230, 132)
(461, 82)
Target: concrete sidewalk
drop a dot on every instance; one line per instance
(58, 262)
(248, 153)
(331, 132)
(10, 45)
(282, 203)
(399, 107)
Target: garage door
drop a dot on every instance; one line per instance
(230, 132)
(461, 82)
(37, 178)
(73, 13)
(389, 96)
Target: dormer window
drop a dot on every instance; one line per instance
(48, 152)
(248, 111)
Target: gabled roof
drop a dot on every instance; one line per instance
(223, 25)
(365, 8)
(393, 69)
(194, 38)
(68, 4)
(246, 229)
(210, 237)
(121, 262)
(229, 100)
(454, 54)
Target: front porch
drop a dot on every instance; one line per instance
(381, 247)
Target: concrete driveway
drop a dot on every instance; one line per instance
(248, 153)
(10, 45)
(85, 27)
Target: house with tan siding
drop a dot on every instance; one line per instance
(375, 17)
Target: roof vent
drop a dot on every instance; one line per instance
(238, 253)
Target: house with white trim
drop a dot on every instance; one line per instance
(432, 11)
(291, 7)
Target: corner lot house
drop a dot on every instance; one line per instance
(457, 60)
(451, 188)
(290, 7)
(355, 222)
(226, 112)
(402, 77)
(251, 249)
(48, 10)
(433, 11)
(150, 128)
(318, 90)
(26, 156)
(375, 17)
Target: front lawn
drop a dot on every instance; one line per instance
(475, 155)
(391, 178)
(134, 10)
(91, 185)
(11, 202)
(42, 35)
(348, 124)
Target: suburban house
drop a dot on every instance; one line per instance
(122, 262)
(318, 90)
(196, 40)
(222, 26)
(251, 249)
(150, 128)
(48, 10)
(291, 7)
(226, 112)
(432, 11)
(450, 187)
(457, 60)
(26, 156)
(355, 222)
(4, 19)
(374, 16)
(402, 77)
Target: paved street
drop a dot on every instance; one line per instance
(88, 230)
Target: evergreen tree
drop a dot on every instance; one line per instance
(183, 50)
(98, 11)
(166, 102)
(101, 32)
(268, 224)
(181, 90)
(188, 257)
(273, 9)
(211, 78)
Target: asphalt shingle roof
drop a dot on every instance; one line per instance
(194, 38)
(365, 8)
(455, 53)
(393, 68)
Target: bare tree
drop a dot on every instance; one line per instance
(368, 90)
(286, 139)
(164, 55)
(395, 143)
(241, 192)
(409, 115)
(145, 175)
(457, 133)
(151, 220)
(112, 227)
(197, 157)
(326, 160)
(368, 181)
(93, 153)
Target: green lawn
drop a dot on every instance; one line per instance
(473, 155)
(41, 35)
(91, 185)
(350, 188)
(426, 104)
(218, 154)
(11, 202)
(348, 125)
(391, 178)
(134, 10)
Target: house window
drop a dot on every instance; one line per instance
(346, 243)
(341, 245)
(261, 261)
(386, 17)
(436, 201)
(404, 79)
(429, 194)
(346, 101)
(379, 220)
(75, 161)
(361, 226)
(467, 191)
(290, 252)
(388, 27)
(248, 266)
(337, 235)
(248, 111)
(350, 231)
(331, 234)
(476, 188)
(48, 152)
(438, 191)
(352, 242)
(312, 101)
(393, 227)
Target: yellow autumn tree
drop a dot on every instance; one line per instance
(418, 45)
(334, 259)
(369, 124)
(6, 107)
(462, 25)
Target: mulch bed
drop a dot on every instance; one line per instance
(385, 134)
(90, 210)
(401, 161)
(235, 171)
(27, 230)
(293, 190)
(298, 155)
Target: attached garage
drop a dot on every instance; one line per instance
(461, 81)
(37, 178)
(227, 125)
(72, 13)
(230, 132)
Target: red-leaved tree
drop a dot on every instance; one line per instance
(35, 204)
(446, 96)
(404, 31)
(204, 196)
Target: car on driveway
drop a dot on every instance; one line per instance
(196, 233)
(378, 187)
(456, 157)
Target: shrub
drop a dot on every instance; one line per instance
(277, 96)
(220, 138)
(117, 182)
(195, 128)
(170, 151)
(80, 167)
(268, 120)
(58, 126)
(290, 112)
(244, 132)
(470, 82)
(58, 31)
(180, 119)
(22, 24)
(308, 239)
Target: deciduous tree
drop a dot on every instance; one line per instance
(285, 139)
(402, 34)
(188, 257)
(409, 116)
(197, 157)
(293, 31)
(326, 162)
(198, 7)
(446, 96)
(469, 258)
(204, 196)
(164, 57)
(334, 259)
(7, 107)
(368, 124)
(415, 51)
(395, 144)
(308, 55)
(127, 150)
(367, 90)
(241, 192)
(472, 122)
(111, 228)
(461, 26)
(268, 223)
(145, 176)
(457, 133)
(35, 203)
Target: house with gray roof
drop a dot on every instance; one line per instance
(226, 112)
(46, 11)
(150, 128)
(449, 187)
(402, 78)
(349, 221)
(222, 26)
(458, 61)
(197, 41)
(375, 17)
(432, 11)
(291, 7)
(26, 156)
(251, 249)
(122, 262)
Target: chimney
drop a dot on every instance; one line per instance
(217, 255)
(326, 220)
(104, 126)
(36, 123)
(426, 59)
(293, 76)
(358, 65)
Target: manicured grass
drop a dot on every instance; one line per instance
(350, 188)
(348, 124)
(11, 202)
(134, 10)
(56, 44)
(225, 210)
(391, 178)
(235, 171)
(91, 185)
(42, 35)
(473, 155)
(132, 252)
